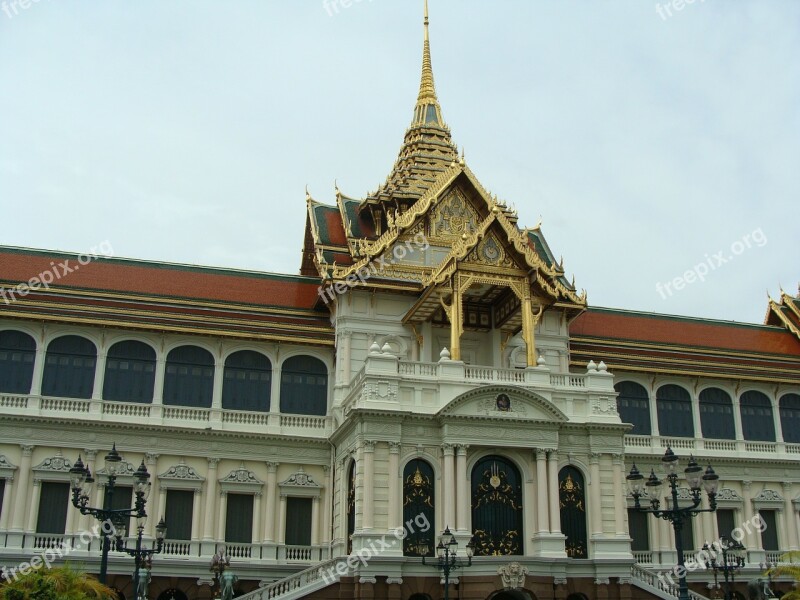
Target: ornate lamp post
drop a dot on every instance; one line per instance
(675, 514)
(82, 482)
(733, 554)
(446, 557)
(141, 556)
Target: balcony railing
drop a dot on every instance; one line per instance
(653, 444)
(158, 414)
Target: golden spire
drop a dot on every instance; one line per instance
(427, 110)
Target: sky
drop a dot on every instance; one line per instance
(659, 142)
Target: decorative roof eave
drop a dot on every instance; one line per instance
(777, 310)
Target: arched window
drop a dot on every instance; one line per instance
(17, 355)
(716, 414)
(572, 499)
(418, 512)
(633, 405)
(757, 422)
(130, 372)
(790, 418)
(69, 368)
(189, 377)
(497, 507)
(674, 411)
(248, 382)
(351, 505)
(304, 386)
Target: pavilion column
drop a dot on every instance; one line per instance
(750, 541)
(456, 320)
(347, 337)
(211, 497)
(737, 418)
(99, 375)
(619, 497)
(528, 326)
(776, 416)
(596, 496)
(462, 496)
(21, 500)
(269, 512)
(367, 481)
(542, 495)
(448, 489)
(552, 490)
(395, 520)
(789, 516)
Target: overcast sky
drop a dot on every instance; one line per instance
(650, 140)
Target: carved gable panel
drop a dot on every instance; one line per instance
(499, 402)
(452, 217)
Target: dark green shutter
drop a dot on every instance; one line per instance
(53, 505)
(178, 514)
(298, 521)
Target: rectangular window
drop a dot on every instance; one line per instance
(178, 514)
(53, 505)
(298, 521)
(637, 527)
(239, 519)
(769, 537)
(121, 498)
(726, 522)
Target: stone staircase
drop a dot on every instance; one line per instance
(302, 583)
(647, 580)
(327, 573)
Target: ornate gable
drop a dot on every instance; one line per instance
(504, 402)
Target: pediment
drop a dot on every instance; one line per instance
(504, 402)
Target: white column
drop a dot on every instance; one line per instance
(552, 472)
(315, 521)
(346, 357)
(99, 375)
(282, 521)
(619, 497)
(222, 514)
(596, 496)
(197, 513)
(750, 540)
(90, 456)
(395, 517)
(158, 388)
(737, 418)
(542, 502)
(368, 485)
(448, 491)
(776, 416)
(269, 512)
(462, 496)
(327, 506)
(698, 427)
(257, 529)
(21, 500)
(789, 517)
(33, 513)
(219, 378)
(38, 369)
(154, 504)
(211, 497)
(651, 401)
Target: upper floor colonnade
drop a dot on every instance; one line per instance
(74, 365)
(672, 410)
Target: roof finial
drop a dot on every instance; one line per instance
(427, 110)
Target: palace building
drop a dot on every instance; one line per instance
(430, 367)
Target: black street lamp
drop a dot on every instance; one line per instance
(82, 482)
(677, 515)
(141, 556)
(446, 557)
(733, 554)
